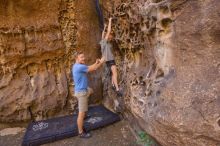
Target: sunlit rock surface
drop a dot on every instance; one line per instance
(37, 40)
(167, 52)
(168, 55)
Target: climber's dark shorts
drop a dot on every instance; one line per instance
(110, 63)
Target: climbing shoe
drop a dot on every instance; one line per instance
(119, 93)
(85, 135)
(113, 87)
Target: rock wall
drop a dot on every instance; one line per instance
(167, 53)
(168, 56)
(37, 40)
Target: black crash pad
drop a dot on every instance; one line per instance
(51, 130)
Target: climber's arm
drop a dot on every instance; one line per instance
(109, 28)
(102, 60)
(103, 32)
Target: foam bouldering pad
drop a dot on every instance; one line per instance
(51, 130)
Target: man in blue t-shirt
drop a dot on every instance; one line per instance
(82, 91)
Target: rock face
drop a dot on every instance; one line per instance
(167, 51)
(168, 56)
(37, 39)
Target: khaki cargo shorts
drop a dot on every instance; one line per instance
(83, 99)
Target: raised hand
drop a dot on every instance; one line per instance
(105, 26)
(102, 60)
(97, 61)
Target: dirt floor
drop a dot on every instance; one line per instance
(118, 134)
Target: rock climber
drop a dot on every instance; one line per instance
(82, 91)
(106, 49)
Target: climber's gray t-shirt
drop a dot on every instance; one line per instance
(106, 49)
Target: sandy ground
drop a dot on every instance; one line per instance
(118, 134)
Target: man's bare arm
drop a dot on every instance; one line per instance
(109, 28)
(96, 65)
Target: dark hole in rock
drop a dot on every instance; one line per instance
(136, 26)
(215, 35)
(141, 78)
(133, 50)
(143, 83)
(218, 122)
(136, 82)
(158, 93)
(140, 103)
(149, 93)
(152, 31)
(1, 74)
(166, 22)
(147, 24)
(160, 73)
(161, 32)
(154, 18)
(135, 98)
(156, 1)
(164, 9)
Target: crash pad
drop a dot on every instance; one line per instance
(54, 129)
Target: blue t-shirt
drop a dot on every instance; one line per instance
(79, 72)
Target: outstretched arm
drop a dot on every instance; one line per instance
(109, 28)
(96, 65)
(103, 32)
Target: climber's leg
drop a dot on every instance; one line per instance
(115, 76)
(112, 81)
